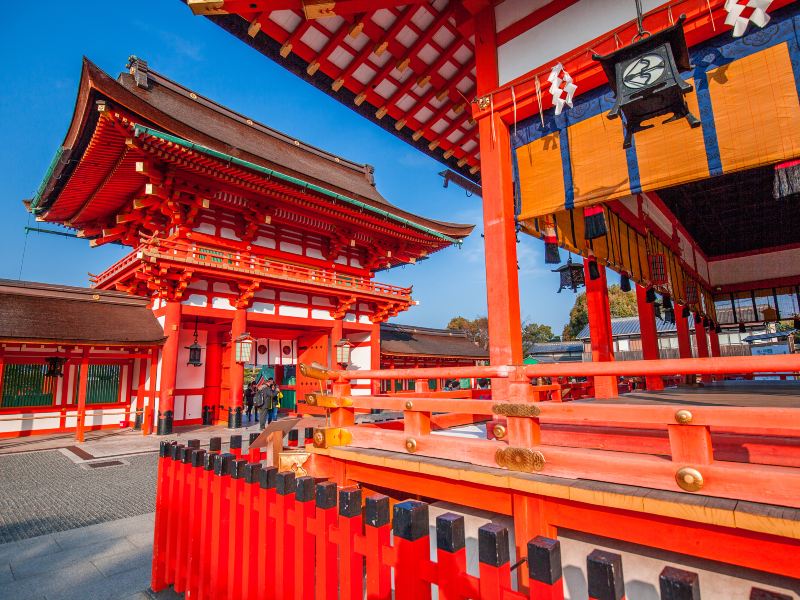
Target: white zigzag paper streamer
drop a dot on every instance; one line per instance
(735, 9)
(562, 88)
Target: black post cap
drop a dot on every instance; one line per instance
(164, 448)
(236, 441)
(309, 433)
(759, 594)
(604, 571)
(544, 560)
(266, 479)
(285, 483)
(237, 472)
(224, 464)
(209, 461)
(193, 444)
(677, 584)
(450, 532)
(377, 510)
(174, 451)
(293, 434)
(493, 545)
(410, 520)
(215, 444)
(187, 455)
(350, 502)
(253, 437)
(326, 494)
(198, 458)
(251, 472)
(305, 489)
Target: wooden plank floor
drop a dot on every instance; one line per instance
(778, 394)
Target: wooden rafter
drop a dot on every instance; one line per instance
(312, 9)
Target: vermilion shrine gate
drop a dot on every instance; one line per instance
(235, 228)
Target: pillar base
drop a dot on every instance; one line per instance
(164, 423)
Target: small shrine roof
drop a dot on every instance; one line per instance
(40, 312)
(411, 340)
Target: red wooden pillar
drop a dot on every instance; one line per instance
(505, 327)
(600, 328)
(702, 343)
(141, 388)
(213, 374)
(375, 356)
(682, 325)
(238, 327)
(713, 341)
(169, 367)
(83, 380)
(649, 333)
(2, 368)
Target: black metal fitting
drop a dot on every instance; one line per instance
(544, 560)
(326, 494)
(450, 535)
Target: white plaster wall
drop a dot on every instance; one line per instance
(768, 265)
(196, 300)
(293, 311)
(188, 376)
(562, 33)
(222, 304)
(317, 313)
(264, 308)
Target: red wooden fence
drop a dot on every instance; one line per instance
(308, 540)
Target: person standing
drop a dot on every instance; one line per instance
(249, 395)
(268, 400)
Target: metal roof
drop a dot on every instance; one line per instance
(629, 326)
(554, 347)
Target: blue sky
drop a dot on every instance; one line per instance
(42, 50)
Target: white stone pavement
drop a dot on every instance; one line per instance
(107, 561)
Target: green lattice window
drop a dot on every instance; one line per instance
(102, 386)
(25, 385)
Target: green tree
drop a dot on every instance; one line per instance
(622, 304)
(477, 329)
(533, 333)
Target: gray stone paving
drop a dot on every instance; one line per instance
(46, 492)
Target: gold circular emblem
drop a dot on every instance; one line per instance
(411, 445)
(311, 400)
(319, 439)
(683, 416)
(409, 405)
(499, 431)
(689, 479)
(520, 459)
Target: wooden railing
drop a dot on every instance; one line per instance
(255, 266)
(686, 464)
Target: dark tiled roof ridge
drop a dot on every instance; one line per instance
(426, 330)
(68, 292)
(237, 116)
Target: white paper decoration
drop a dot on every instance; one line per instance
(562, 88)
(738, 16)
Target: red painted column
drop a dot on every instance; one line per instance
(169, 364)
(238, 327)
(83, 380)
(600, 328)
(713, 341)
(213, 374)
(505, 327)
(702, 344)
(337, 333)
(375, 355)
(649, 333)
(684, 341)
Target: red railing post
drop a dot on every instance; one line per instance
(604, 576)
(196, 523)
(285, 487)
(378, 537)
(177, 453)
(185, 502)
(326, 558)
(351, 564)
(157, 579)
(265, 588)
(236, 446)
(204, 550)
(218, 541)
(250, 525)
(304, 539)
(493, 560)
(235, 534)
(544, 569)
(410, 527)
(451, 558)
(253, 454)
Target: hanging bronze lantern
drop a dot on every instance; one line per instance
(194, 350)
(646, 78)
(571, 276)
(55, 367)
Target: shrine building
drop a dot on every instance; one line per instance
(250, 245)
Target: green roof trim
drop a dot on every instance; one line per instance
(141, 129)
(48, 174)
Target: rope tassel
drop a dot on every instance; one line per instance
(594, 222)
(551, 254)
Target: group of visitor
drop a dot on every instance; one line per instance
(265, 396)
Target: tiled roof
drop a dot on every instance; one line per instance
(409, 340)
(629, 326)
(554, 347)
(42, 312)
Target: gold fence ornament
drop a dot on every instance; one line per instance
(525, 460)
(683, 416)
(516, 409)
(689, 479)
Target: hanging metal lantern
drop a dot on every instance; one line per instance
(343, 347)
(195, 350)
(571, 276)
(646, 78)
(55, 367)
(244, 346)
